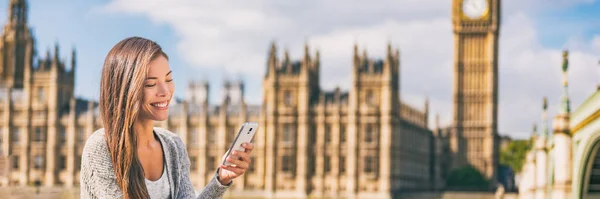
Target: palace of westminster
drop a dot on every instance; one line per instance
(364, 142)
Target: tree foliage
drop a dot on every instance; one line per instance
(466, 178)
(513, 155)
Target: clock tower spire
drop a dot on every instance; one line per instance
(474, 139)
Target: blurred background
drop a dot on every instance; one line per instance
(378, 99)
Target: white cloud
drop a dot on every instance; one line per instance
(235, 36)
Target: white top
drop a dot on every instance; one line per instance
(159, 189)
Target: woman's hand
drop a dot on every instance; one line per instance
(240, 162)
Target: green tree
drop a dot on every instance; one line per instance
(513, 155)
(466, 178)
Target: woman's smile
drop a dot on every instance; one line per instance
(164, 105)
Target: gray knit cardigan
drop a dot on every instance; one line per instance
(98, 178)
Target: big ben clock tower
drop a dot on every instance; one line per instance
(476, 24)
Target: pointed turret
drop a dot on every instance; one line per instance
(397, 58)
(306, 52)
(389, 61)
(545, 131)
(272, 61)
(73, 60)
(534, 134)
(307, 63)
(56, 50)
(17, 13)
(565, 106)
(317, 61)
(437, 121)
(56, 59)
(356, 57)
(562, 140)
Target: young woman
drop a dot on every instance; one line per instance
(129, 158)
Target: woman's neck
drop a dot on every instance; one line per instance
(144, 130)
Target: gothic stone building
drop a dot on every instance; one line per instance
(359, 143)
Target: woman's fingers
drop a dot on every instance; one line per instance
(236, 170)
(248, 147)
(243, 155)
(238, 163)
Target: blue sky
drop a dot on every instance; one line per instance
(215, 41)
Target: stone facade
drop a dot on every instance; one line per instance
(359, 143)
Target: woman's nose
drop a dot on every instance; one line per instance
(163, 90)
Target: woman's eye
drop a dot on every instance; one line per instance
(170, 80)
(150, 85)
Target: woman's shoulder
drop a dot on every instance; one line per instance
(96, 156)
(96, 142)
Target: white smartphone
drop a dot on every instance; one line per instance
(245, 134)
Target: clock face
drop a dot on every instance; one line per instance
(475, 9)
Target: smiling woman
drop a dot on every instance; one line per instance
(129, 158)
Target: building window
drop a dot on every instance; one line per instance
(327, 163)
(311, 163)
(62, 162)
(210, 135)
(231, 133)
(370, 164)
(210, 164)
(327, 133)
(370, 98)
(313, 134)
(62, 135)
(80, 134)
(38, 162)
(15, 162)
(252, 165)
(342, 133)
(16, 134)
(194, 136)
(38, 134)
(41, 94)
(288, 98)
(193, 163)
(289, 133)
(287, 163)
(342, 164)
(370, 132)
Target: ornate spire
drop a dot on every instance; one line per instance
(356, 56)
(544, 131)
(306, 52)
(17, 12)
(286, 55)
(565, 102)
(437, 121)
(73, 59)
(272, 59)
(56, 50)
(534, 134)
(389, 49)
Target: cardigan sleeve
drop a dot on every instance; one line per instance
(97, 178)
(214, 189)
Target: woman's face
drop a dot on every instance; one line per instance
(158, 90)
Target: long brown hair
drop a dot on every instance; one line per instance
(123, 75)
